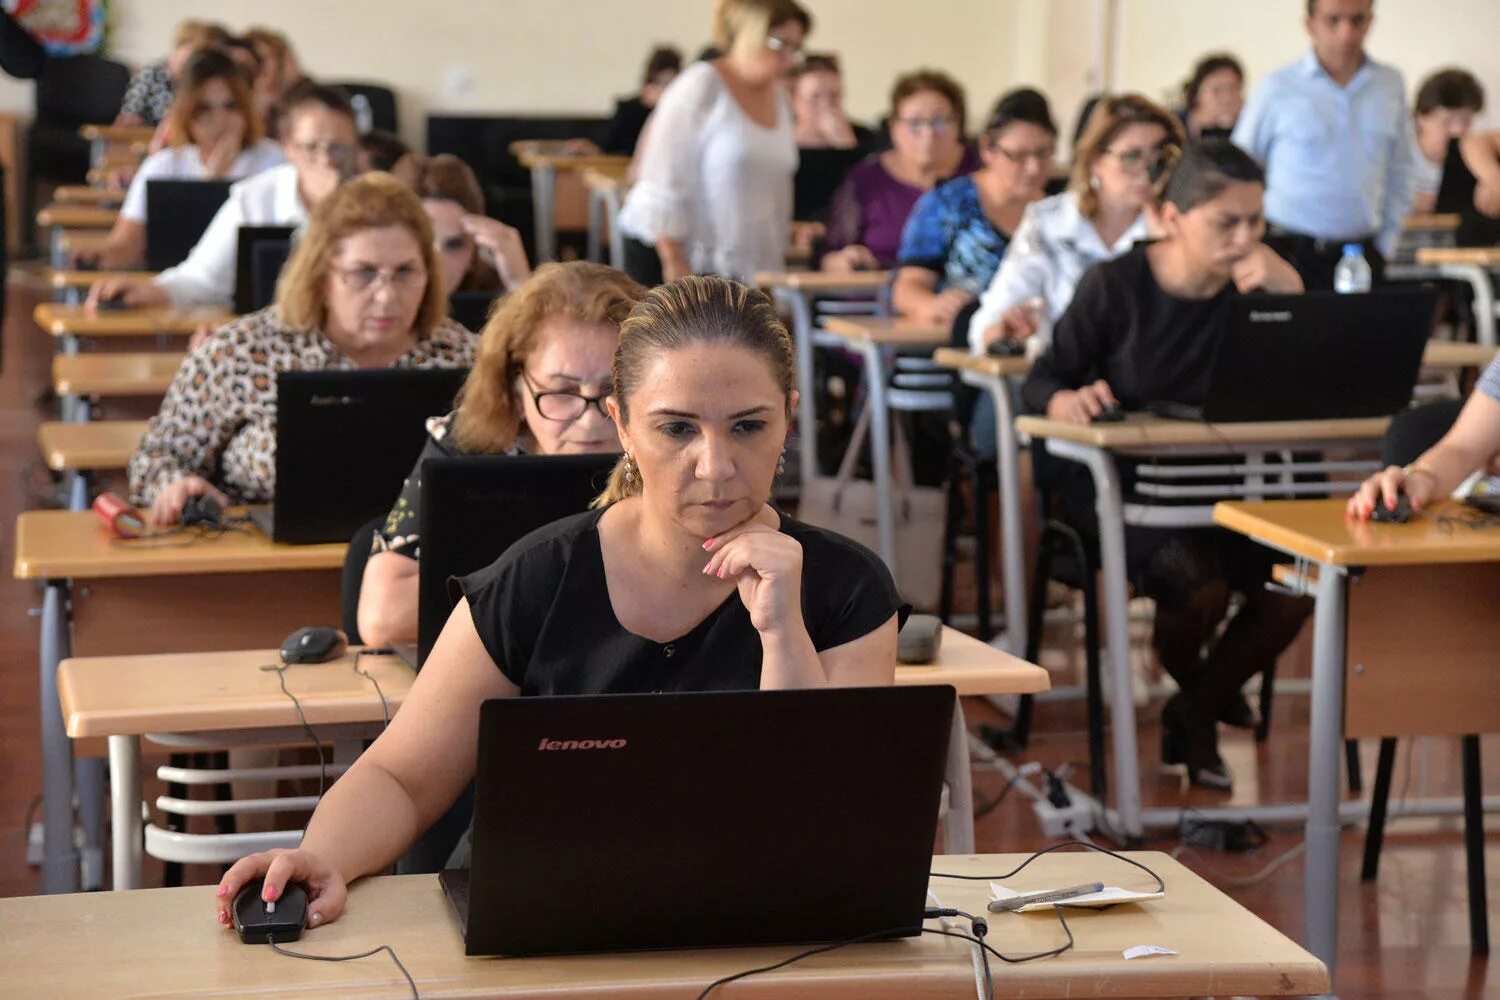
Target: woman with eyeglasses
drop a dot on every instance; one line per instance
(212, 133)
(319, 142)
(540, 379)
(361, 290)
(713, 188)
(477, 253)
(958, 232)
(871, 206)
(1102, 214)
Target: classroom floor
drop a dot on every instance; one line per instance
(1404, 938)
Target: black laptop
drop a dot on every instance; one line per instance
(626, 822)
(345, 441)
(471, 310)
(259, 254)
(177, 213)
(1317, 356)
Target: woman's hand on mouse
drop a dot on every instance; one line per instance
(167, 507)
(1080, 406)
(326, 890)
(1385, 486)
(767, 566)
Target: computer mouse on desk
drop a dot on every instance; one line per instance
(257, 921)
(314, 644)
(115, 303)
(1110, 415)
(1006, 348)
(1385, 515)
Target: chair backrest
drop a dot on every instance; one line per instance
(355, 558)
(383, 114)
(1415, 430)
(80, 90)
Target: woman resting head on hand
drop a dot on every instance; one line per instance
(684, 579)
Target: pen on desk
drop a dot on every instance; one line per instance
(1049, 896)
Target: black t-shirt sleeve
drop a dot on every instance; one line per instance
(847, 592)
(1080, 341)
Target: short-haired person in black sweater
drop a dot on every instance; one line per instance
(683, 579)
(1141, 329)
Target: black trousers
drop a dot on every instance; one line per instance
(642, 262)
(1315, 259)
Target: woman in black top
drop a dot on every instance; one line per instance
(1142, 329)
(684, 579)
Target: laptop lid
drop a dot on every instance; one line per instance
(177, 213)
(475, 507)
(1319, 356)
(346, 440)
(626, 822)
(248, 297)
(471, 309)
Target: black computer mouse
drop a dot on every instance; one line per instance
(1385, 515)
(203, 510)
(314, 644)
(1006, 348)
(1110, 415)
(115, 303)
(259, 921)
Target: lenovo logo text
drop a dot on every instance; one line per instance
(1270, 316)
(547, 744)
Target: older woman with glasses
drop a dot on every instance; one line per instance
(871, 206)
(538, 387)
(713, 190)
(319, 140)
(362, 290)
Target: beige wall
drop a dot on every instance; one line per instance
(576, 55)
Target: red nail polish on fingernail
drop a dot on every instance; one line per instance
(708, 543)
(222, 889)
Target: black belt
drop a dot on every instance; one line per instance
(1320, 246)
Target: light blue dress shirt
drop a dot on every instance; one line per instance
(1339, 160)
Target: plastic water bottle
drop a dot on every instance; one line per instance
(1352, 275)
(364, 115)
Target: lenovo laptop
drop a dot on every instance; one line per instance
(1317, 356)
(345, 442)
(177, 213)
(626, 822)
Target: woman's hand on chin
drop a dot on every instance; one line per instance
(766, 565)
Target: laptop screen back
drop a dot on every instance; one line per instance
(177, 213)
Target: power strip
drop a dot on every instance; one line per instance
(1066, 821)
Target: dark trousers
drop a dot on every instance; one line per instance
(642, 262)
(1315, 259)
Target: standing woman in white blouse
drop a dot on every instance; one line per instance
(713, 190)
(213, 133)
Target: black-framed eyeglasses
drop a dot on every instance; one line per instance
(1020, 156)
(456, 243)
(1138, 160)
(565, 404)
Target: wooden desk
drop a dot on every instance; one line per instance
(606, 187)
(147, 373)
(125, 697)
(1425, 600)
(1097, 447)
(1432, 222)
(130, 134)
(545, 160)
(1224, 949)
(1475, 266)
(795, 291)
(998, 377)
(75, 449)
(76, 321)
(1453, 354)
(131, 601)
(1482, 256)
(69, 216)
(83, 194)
(71, 287)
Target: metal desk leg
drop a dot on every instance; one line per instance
(98, 150)
(807, 406)
(616, 238)
(59, 259)
(1111, 513)
(92, 782)
(1324, 755)
(1484, 298)
(78, 490)
(880, 451)
(59, 856)
(596, 223)
(125, 810)
(543, 192)
(1012, 542)
(958, 824)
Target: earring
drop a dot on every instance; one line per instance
(1094, 181)
(781, 463)
(629, 468)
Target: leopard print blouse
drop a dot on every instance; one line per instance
(218, 419)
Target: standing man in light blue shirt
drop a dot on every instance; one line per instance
(1333, 132)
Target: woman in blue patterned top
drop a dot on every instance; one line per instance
(957, 234)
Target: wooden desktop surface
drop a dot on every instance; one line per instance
(543, 152)
(1483, 256)
(60, 320)
(823, 281)
(982, 364)
(52, 544)
(1432, 222)
(1148, 430)
(166, 942)
(1452, 354)
(610, 177)
(146, 373)
(83, 279)
(887, 330)
(84, 194)
(83, 240)
(1319, 530)
(194, 692)
(118, 133)
(100, 444)
(77, 216)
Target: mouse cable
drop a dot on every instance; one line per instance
(350, 958)
(385, 708)
(1160, 885)
(281, 670)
